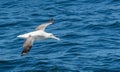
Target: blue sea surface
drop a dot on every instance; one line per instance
(89, 31)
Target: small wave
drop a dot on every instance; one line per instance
(9, 4)
(14, 23)
(114, 25)
(93, 1)
(4, 14)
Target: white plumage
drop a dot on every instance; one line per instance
(38, 34)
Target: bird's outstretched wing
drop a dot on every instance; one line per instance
(43, 26)
(27, 45)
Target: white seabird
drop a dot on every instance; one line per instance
(38, 34)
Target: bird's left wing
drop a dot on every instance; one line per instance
(27, 45)
(43, 26)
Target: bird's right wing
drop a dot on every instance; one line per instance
(27, 45)
(43, 26)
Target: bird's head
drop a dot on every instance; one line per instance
(50, 35)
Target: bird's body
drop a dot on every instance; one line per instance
(38, 34)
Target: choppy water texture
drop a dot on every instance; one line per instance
(89, 32)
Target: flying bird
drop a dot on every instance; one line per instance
(38, 34)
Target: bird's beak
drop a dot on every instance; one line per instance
(19, 36)
(56, 38)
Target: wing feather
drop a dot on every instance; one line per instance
(27, 45)
(43, 26)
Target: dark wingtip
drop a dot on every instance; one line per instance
(51, 20)
(25, 51)
(23, 54)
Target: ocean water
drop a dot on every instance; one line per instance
(89, 31)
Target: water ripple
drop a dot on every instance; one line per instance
(89, 32)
